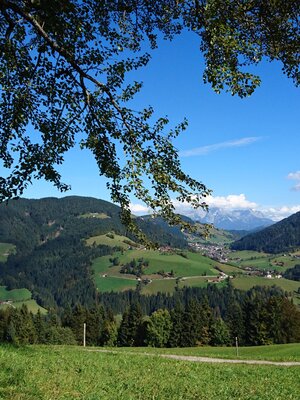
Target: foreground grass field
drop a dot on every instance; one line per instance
(65, 373)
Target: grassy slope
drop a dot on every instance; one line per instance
(262, 261)
(15, 294)
(116, 241)
(94, 215)
(247, 282)
(18, 298)
(114, 284)
(215, 236)
(5, 250)
(70, 373)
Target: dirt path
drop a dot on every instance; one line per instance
(205, 359)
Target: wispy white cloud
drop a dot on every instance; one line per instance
(200, 151)
(295, 176)
(278, 213)
(138, 208)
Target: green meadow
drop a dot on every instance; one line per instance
(69, 373)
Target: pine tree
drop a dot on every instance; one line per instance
(177, 333)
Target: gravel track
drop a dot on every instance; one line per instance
(206, 359)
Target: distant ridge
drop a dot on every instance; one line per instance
(281, 237)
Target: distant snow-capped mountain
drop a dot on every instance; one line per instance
(243, 219)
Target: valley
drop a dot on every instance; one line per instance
(86, 235)
(169, 269)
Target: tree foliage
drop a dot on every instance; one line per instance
(63, 76)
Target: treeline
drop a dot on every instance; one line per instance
(259, 318)
(284, 236)
(218, 298)
(293, 273)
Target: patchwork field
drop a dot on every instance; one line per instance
(65, 373)
(187, 264)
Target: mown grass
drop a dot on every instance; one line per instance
(53, 373)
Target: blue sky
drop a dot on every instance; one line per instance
(245, 150)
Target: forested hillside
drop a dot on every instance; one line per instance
(284, 236)
(51, 258)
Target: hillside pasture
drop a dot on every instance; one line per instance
(114, 284)
(159, 285)
(215, 235)
(191, 264)
(18, 297)
(263, 261)
(5, 250)
(197, 281)
(247, 282)
(110, 239)
(65, 373)
(14, 295)
(94, 215)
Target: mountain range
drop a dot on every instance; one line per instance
(232, 219)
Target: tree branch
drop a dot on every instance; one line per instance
(66, 55)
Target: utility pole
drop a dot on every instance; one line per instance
(237, 346)
(84, 334)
